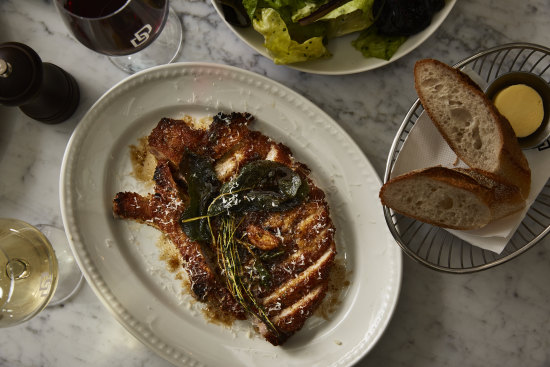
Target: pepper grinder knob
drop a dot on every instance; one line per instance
(43, 91)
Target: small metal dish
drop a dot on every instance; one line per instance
(534, 81)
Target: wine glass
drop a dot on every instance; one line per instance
(35, 271)
(135, 34)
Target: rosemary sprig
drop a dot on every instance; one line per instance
(258, 263)
(230, 262)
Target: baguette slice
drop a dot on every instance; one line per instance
(470, 123)
(450, 198)
(506, 199)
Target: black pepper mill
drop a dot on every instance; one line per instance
(43, 91)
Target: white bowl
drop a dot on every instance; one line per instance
(345, 58)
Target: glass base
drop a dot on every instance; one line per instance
(163, 50)
(70, 277)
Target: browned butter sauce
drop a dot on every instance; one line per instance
(339, 281)
(143, 162)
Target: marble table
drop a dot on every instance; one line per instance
(499, 317)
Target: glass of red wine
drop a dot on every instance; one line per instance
(135, 34)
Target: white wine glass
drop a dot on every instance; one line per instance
(135, 34)
(37, 269)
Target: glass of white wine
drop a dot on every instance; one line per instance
(37, 269)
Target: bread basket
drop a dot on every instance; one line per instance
(435, 247)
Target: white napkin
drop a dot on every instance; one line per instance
(425, 147)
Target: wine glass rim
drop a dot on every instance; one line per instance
(62, 8)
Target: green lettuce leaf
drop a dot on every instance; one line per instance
(308, 8)
(364, 5)
(278, 42)
(250, 7)
(371, 44)
(292, 6)
(351, 17)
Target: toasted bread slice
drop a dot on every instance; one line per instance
(506, 199)
(439, 196)
(471, 124)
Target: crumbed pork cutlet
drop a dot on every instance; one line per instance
(298, 242)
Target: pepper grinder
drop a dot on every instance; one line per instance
(43, 91)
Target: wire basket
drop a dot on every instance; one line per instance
(439, 249)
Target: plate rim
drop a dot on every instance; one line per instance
(97, 283)
(302, 66)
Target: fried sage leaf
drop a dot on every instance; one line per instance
(202, 186)
(260, 186)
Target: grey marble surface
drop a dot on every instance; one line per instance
(499, 317)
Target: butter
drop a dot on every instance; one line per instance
(522, 106)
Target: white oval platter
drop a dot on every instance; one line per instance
(120, 259)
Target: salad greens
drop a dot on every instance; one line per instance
(279, 43)
(289, 42)
(289, 39)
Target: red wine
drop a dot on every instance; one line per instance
(95, 8)
(115, 27)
